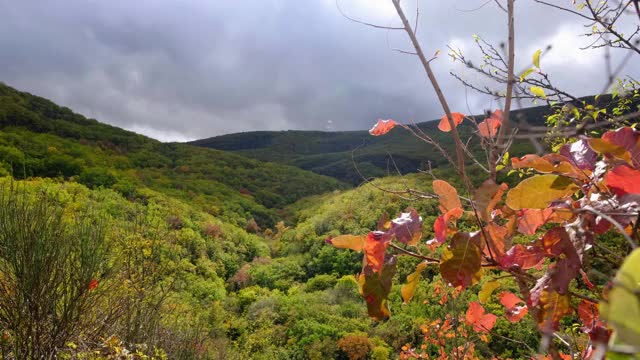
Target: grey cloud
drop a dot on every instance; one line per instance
(192, 69)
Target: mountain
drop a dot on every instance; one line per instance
(39, 138)
(337, 154)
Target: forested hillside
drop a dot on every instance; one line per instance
(337, 154)
(42, 139)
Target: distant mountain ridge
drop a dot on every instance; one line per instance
(334, 153)
(337, 154)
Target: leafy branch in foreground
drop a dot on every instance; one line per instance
(538, 235)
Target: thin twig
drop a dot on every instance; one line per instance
(364, 22)
(411, 253)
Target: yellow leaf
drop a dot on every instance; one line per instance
(487, 290)
(538, 191)
(605, 147)
(538, 91)
(461, 265)
(536, 58)
(622, 311)
(409, 288)
(526, 73)
(353, 242)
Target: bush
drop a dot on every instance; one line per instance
(320, 282)
(356, 347)
(49, 268)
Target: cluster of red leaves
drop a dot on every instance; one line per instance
(572, 190)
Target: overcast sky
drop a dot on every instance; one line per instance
(185, 69)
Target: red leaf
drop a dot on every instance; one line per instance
(627, 138)
(407, 228)
(375, 246)
(509, 300)
(443, 223)
(588, 314)
(531, 219)
(513, 312)
(556, 241)
(623, 180)
(382, 127)
(444, 122)
(586, 280)
(489, 127)
(522, 257)
(93, 284)
(477, 318)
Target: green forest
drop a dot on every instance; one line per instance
(197, 253)
(508, 234)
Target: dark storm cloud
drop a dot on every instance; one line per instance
(191, 69)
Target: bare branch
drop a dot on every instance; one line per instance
(438, 90)
(364, 22)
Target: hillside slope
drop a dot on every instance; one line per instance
(39, 138)
(335, 153)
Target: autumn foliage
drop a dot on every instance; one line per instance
(539, 232)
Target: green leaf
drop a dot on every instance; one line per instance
(538, 91)
(622, 311)
(375, 288)
(526, 73)
(409, 288)
(536, 58)
(538, 191)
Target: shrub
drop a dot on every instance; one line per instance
(49, 266)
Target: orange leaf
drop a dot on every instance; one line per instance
(497, 239)
(531, 219)
(612, 150)
(623, 180)
(486, 198)
(444, 122)
(448, 195)
(489, 127)
(551, 163)
(93, 284)
(375, 245)
(627, 138)
(382, 127)
(553, 308)
(513, 312)
(477, 318)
